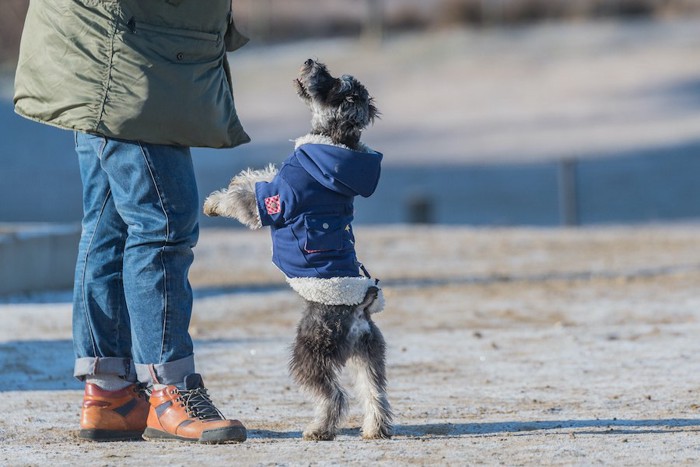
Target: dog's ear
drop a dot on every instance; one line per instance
(372, 110)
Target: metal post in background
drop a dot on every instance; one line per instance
(373, 31)
(568, 193)
(491, 11)
(420, 209)
(260, 19)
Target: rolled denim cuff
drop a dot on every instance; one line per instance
(165, 373)
(91, 366)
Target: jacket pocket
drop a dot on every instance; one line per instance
(169, 86)
(323, 233)
(175, 45)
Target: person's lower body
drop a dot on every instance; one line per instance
(132, 298)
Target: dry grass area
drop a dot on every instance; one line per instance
(506, 346)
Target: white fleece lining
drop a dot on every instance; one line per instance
(323, 139)
(337, 290)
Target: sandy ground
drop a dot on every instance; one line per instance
(512, 346)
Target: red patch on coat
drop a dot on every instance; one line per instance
(272, 204)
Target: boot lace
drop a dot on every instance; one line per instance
(198, 404)
(142, 390)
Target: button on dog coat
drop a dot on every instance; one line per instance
(309, 207)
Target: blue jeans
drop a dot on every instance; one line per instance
(132, 299)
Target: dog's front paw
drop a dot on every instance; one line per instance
(211, 204)
(235, 202)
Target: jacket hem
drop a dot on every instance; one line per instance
(62, 126)
(336, 290)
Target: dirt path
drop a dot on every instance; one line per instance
(515, 347)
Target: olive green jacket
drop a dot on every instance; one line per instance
(143, 70)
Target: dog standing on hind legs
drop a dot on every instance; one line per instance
(328, 337)
(308, 205)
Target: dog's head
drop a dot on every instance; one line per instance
(341, 107)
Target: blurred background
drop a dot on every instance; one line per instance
(494, 112)
(511, 113)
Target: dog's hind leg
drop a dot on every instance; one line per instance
(331, 407)
(368, 360)
(315, 365)
(320, 379)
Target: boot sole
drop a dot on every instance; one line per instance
(110, 435)
(233, 434)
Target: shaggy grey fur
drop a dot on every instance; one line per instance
(238, 200)
(328, 336)
(340, 107)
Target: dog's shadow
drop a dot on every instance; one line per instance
(597, 426)
(456, 430)
(271, 434)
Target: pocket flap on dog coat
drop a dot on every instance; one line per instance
(323, 233)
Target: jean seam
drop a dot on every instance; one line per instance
(162, 251)
(87, 255)
(101, 151)
(82, 279)
(122, 301)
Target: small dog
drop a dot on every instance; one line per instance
(308, 204)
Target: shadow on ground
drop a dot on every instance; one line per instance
(47, 365)
(455, 430)
(36, 365)
(597, 426)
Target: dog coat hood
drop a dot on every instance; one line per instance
(340, 169)
(309, 208)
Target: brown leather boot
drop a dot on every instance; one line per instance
(189, 415)
(113, 415)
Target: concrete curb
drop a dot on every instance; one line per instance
(37, 257)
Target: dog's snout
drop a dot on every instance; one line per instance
(309, 62)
